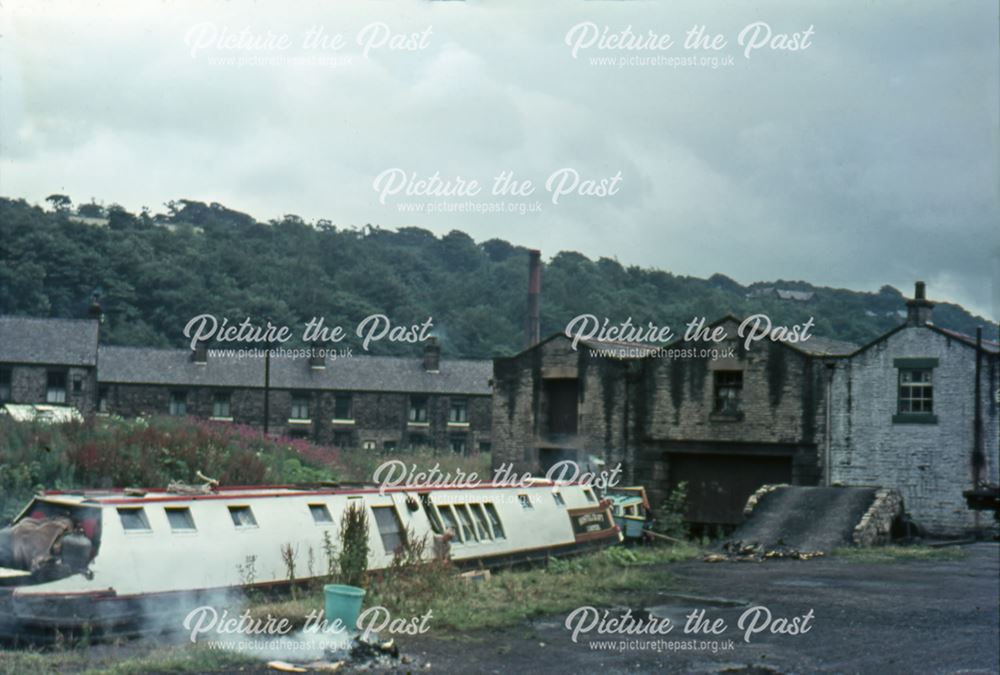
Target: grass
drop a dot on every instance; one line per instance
(890, 554)
(180, 659)
(509, 597)
(458, 606)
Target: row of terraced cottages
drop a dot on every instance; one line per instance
(377, 403)
(915, 409)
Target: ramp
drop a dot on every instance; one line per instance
(813, 518)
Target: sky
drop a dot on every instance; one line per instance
(845, 144)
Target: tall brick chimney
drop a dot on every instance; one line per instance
(532, 324)
(199, 354)
(919, 309)
(432, 355)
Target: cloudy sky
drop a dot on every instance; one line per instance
(866, 156)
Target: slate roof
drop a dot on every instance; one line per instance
(139, 365)
(821, 346)
(61, 342)
(144, 365)
(987, 345)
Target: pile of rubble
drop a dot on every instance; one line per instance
(360, 653)
(747, 552)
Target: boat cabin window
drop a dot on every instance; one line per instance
(482, 526)
(320, 514)
(242, 516)
(432, 514)
(559, 499)
(180, 518)
(389, 528)
(133, 519)
(525, 502)
(491, 513)
(469, 534)
(589, 494)
(451, 523)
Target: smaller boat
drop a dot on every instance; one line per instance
(630, 509)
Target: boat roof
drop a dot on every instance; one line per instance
(134, 496)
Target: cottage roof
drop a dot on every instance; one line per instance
(63, 342)
(139, 365)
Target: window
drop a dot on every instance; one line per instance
(389, 528)
(180, 518)
(449, 521)
(56, 391)
(418, 410)
(77, 384)
(102, 398)
(367, 445)
(220, 404)
(418, 441)
(5, 378)
(178, 403)
(559, 499)
(300, 407)
(728, 391)
(458, 444)
(484, 446)
(491, 513)
(916, 391)
(342, 407)
(343, 439)
(525, 502)
(133, 519)
(468, 532)
(458, 413)
(242, 516)
(432, 514)
(482, 525)
(589, 494)
(320, 514)
(389, 446)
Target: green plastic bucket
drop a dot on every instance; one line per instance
(344, 603)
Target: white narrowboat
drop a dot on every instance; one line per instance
(109, 560)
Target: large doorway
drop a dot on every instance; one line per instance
(718, 486)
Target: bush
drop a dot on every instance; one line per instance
(113, 452)
(353, 557)
(671, 516)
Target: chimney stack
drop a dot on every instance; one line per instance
(919, 309)
(199, 354)
(317, 360)
(95, 312)
(532, 334)
(432, 355)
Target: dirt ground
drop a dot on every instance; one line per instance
(897, 617)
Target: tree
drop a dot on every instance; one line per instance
(60, 203)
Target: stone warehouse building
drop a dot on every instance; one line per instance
(899, 412)
(724, 426)
(369, 402)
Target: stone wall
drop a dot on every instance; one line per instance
(29, 384)
(930, 464)
(377, 417)
(521, 410)
(875, 527)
